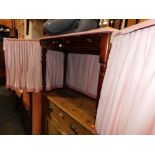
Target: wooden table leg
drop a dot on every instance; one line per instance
(36, 114)
(104, 54)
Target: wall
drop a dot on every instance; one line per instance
(35, 29)
(119, 23)
(7, 22)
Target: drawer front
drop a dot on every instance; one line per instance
(54, 113)
(53, 128)
(65, 123)
(72, 127)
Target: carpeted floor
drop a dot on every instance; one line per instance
(10, 121)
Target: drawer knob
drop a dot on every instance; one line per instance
(60, 114)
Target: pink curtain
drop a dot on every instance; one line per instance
(54, 69)
(23, 64)
(83, 73)
(127, 102)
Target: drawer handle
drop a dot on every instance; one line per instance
(74, 129)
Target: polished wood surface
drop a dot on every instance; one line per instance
(73, 43)
(26, 100)
(36, 114)
(104, 54)
(53, 128)
(31, 111)
(71, 108)
(98, 31)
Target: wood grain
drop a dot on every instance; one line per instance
(72, 106)
(36, 114)
(104, 54)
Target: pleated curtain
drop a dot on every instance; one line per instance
(127, 101)
(23, 64)
(83, 73)
(24, 67)
(54, 69)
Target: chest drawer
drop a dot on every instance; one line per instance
(53, 128)
(54, 113)
(61, 122)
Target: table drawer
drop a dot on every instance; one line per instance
(54, 113)
(71, 126)
(64, 122)
(53, 128)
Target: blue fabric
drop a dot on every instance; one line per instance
(62, 26)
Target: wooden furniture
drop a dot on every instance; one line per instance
(63, 115)
(2, 64)
(69, 112)
(21, 28)
(28, 105)
(30, 28)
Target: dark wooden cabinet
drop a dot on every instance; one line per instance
(69, 113)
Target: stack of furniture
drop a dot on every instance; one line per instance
(64, 110)
(69, 112)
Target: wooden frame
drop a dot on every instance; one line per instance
(86, 43)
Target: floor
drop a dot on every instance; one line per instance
(10, 121)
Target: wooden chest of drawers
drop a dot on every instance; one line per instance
(69, 113)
